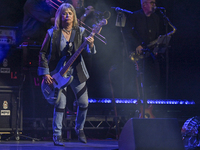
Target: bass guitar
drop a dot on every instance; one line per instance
(52, 91)
(156, 45)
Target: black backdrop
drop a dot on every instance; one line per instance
(183, 55)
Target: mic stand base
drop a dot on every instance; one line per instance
(17, 136)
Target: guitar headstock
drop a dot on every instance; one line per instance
(98, 26)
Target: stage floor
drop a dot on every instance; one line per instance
(69, 145)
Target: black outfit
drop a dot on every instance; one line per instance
(36, 20)
(144, 31)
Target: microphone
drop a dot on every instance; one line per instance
(122, 10)
(161, 8)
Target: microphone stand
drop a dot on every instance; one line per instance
(166, 21)
(115, 120)
(121, 19)
(121, 23)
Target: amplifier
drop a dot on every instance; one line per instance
(8, 108)
(10, 57)
(10, 66)
(8, 35)
(30, 54)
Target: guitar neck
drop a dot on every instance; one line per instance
(74, 57)
(155, 41)
(78, 52)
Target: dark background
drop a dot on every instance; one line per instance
(184, 65)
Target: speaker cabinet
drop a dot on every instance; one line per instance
(10, 66)
(8, 109)
(30, 55)
(151, 134)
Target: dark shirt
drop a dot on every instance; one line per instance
(144, 29)
(36, 21)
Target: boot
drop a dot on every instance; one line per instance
(58, 141)
(81, 136)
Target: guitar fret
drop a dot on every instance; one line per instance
(72, 59)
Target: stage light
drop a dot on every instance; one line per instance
(135, 101)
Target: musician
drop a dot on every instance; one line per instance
(145, 28)
(63, 40)
(38, 18)
(145, 24)
(83, 14)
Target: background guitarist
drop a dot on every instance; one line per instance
(145, 26)
(63, 40)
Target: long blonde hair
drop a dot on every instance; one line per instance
(58, 16)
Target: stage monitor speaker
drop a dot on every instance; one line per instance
(151, 134)
(8, 109)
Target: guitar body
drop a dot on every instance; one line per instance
(148, 112)
(52, 92)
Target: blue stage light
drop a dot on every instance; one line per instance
(134, 101)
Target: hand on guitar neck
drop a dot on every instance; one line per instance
(90, 41)
(139, 49)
